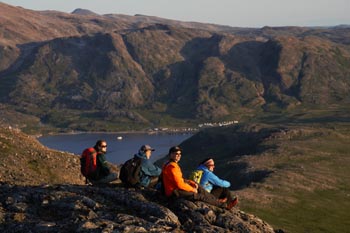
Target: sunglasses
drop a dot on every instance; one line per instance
(104, 146)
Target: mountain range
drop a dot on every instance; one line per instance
(287, 88)
(141, 71)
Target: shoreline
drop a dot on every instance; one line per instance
(116, 132)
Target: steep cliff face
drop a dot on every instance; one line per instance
(313, 70)
(81, 73)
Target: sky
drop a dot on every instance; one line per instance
(237, 13)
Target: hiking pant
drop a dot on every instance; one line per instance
(220, 192)
(106, 179)
(202, 195)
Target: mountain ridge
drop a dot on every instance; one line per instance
(138, 74)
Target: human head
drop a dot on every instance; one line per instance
(209, 163)
(175, 153)
(101, 146)
(147, 150)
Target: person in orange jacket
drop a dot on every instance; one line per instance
(176, 186)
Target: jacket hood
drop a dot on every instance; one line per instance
(141, 155)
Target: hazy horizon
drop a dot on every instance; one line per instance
(233, 13)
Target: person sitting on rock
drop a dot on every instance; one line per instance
(96, 167)
(178, 187)
(149, 173)
(213, 184)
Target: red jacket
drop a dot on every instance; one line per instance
(172, 179)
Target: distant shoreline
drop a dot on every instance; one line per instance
(116, 132)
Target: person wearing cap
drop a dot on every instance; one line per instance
(178, 187)
(149, 172)
(213, 184)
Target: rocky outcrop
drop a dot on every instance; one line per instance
(41, 190)
(79, 208)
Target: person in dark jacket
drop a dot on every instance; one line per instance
(213, 184)
(103, 173)
(149, 172)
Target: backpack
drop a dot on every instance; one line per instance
(88, 162)
(130, 172)
(160, 186)
(196, 176)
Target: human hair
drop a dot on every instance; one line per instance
(205, 160)
(99, 143)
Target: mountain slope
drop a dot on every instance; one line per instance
(137, 74)
(294, 175)
(26, 162)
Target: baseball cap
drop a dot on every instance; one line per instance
(174, 149)
(146, 147)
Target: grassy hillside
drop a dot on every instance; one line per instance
(24, 161)
(308, 190)
(296, 176)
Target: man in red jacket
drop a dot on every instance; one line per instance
(176, 186)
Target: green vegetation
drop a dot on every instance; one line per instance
(295, 176)
(318, 211)
(41, 169)
(34, 165)
(321, 195)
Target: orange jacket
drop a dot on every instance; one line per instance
(172, 179)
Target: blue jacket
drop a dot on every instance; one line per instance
(148, 169)
(209, 179)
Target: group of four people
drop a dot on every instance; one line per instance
(210, 189)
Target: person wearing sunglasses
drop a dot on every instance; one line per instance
(100, 171)
(214, 185)
(177, 187)
(149, 173)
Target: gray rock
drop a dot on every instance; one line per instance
(80, 208)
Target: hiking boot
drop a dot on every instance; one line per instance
(232, 203)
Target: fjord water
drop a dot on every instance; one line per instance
(118, 151)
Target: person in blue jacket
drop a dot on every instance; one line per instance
(213, 184)
(149, 172)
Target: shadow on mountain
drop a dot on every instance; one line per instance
(200, 48)
(25, 59)
(227, 145)
(244, 58)
(245, 177)
(176, 86)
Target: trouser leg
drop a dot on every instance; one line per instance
(182, 193)
(204, 196)
(220, 192)
(111, 177)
